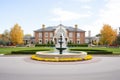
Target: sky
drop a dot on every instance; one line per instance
(87, 14)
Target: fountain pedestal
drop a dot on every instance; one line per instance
(61, 47)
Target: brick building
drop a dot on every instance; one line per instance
(52, 33)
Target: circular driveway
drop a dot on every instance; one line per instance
(23, 68)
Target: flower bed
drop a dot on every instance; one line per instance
(35, 57)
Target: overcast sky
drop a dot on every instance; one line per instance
(31, 14)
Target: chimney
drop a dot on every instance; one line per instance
(76, 26)
(89, 33)
(76, 33)
(43, 26)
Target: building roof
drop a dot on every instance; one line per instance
(28, 37)
(52, 28)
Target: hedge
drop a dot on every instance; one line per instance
(68, 45)
(44, 45)
(99, 52)
(93, 51)
(77, 49)
(28, 51)
(77, 45)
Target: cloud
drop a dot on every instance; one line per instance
(86, 7)
(111, 14)
(63, 15)
(84, 1)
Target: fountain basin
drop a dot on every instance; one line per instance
(60, 48)
(65, 55)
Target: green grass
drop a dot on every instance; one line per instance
(114, 50)
(9, 50)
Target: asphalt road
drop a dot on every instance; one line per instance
(23, 68)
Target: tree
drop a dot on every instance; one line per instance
(5, 38)
(117, 41)
(108, 35)
(98, 35)
(16, 34)
(6, 35)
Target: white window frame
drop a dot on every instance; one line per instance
(40, 40)
(46, 34)
(78, 41)
(51, 35)
(70, 34)
(40, 35)
(78, 35)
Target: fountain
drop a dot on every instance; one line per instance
(61, 57)
(61, 44)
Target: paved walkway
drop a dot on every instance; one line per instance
(23, 68)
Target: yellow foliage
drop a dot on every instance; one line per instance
(108, 35)
(35, 57)
(16, 34)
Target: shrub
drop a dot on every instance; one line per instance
(29, 51)
(77, 49)
(77, 45)
(44, 45)
(92, 51)
(35, 57)
(99, 52)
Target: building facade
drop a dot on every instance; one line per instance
(52, 34)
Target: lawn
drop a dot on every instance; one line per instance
(9, 50)
(114, 50)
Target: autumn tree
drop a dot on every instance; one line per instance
(108, 35)
(16, 35)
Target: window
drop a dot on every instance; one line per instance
(51, 41)
(70, 34)
(78, 42)
(71, 41)
(78, 35)
(51, 34)
(40, 35)
(40, 41)
(46, 41)
(46, 34)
